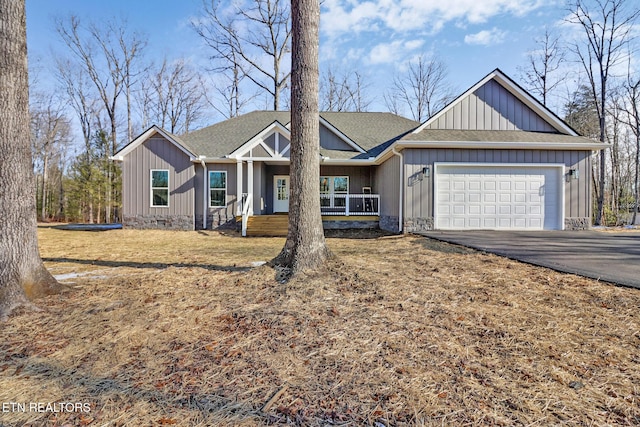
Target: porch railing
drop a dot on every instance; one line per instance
(350, 204)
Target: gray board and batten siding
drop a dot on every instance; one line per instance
(217, 216)
(159, 154)
(419, 193)
(387, 184)
(491, 113)
(491, 107)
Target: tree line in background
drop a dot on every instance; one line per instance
(107, 84)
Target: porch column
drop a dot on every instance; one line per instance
(250, 184)
(239, 187)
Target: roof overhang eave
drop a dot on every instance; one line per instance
(348, 162)
(503, 145)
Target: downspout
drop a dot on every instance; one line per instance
(401, 192)
(204, 194)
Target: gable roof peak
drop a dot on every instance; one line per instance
(515, 90)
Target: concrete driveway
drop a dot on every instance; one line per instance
(611, 257)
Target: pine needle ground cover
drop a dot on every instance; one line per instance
(183, 328)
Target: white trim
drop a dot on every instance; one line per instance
(266, 148)
(516, 91)
(264, 159)
(401, 189)
(499, 145)
(226, 186)
(341, 135)
(119, 156)
(250, 184)
(245, 149)
(560, 167)
(239, 191)
(151, 188)
(490, 145)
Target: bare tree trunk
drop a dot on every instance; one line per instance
(22, 274)
(43, 207)
(305, 247)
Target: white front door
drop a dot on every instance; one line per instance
(280, 193)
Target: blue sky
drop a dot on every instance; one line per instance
(376, 37)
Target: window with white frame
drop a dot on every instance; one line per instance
(333, 191)
(159, 188)
(217, 188)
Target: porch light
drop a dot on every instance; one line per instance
(426, 172)
(574, 173)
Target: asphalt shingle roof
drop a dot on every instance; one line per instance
(225, 137)
(367, 130)
(446, 135)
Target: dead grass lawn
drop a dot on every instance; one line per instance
(177, 328)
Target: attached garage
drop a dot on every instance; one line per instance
(498, 196)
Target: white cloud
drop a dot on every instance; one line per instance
(486, 37)
(386, 53)
(429, 16)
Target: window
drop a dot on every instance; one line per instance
(217, 188)
(159, 188)
(333, 191)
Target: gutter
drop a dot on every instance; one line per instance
(503, 145)
(401, 191)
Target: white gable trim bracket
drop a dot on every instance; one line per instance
(245, 151)
(119, 156)
(516, 91)
(341, 135)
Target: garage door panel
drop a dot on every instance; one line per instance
(505, 185)
(458, 198)
(457, 222)
(496, 197)
(474, 222)
(504, 209)
(504, 223)
(520, 223)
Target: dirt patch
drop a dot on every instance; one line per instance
(396, 331)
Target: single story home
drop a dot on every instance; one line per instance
(494, 158)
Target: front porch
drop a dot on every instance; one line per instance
(339, 211)
(277, 225)
(345, 193)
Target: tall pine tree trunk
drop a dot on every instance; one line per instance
(305, 247)
(22, 274)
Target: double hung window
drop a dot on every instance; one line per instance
(159, 188)
(217, 188)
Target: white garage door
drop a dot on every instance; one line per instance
(498, 197)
